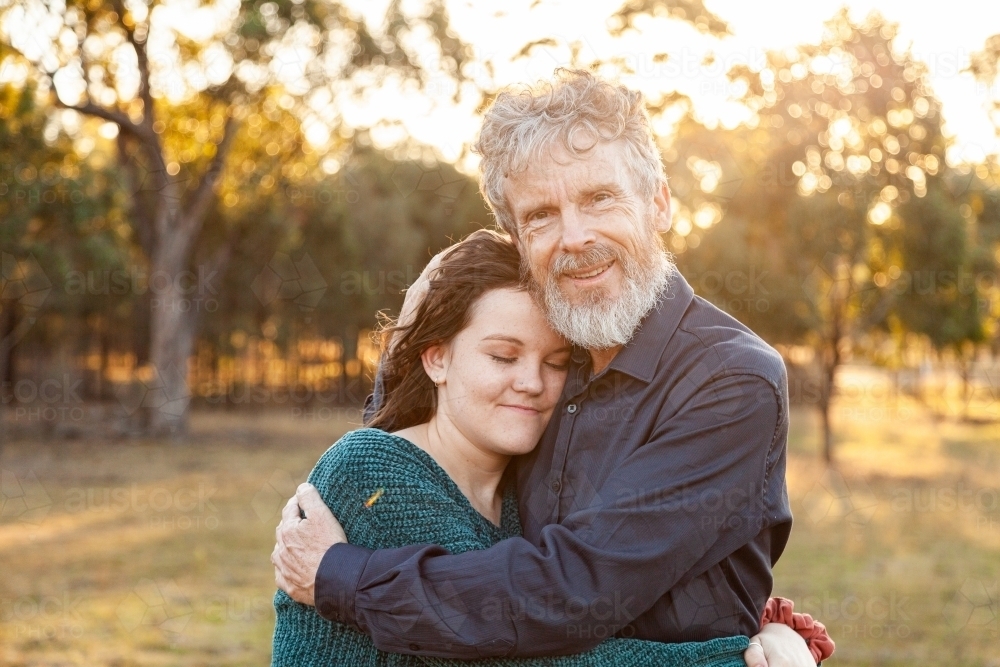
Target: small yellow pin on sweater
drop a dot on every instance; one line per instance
(375, 496)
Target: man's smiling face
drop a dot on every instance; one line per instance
(590, 239)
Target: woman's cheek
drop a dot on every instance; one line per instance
(483, 382)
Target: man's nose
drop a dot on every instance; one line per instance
(577, 233)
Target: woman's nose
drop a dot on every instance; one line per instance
(529, 381)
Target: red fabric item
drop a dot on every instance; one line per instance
(779, 610)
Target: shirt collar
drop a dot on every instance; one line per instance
(640, 355)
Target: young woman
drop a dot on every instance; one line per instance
(470, 383)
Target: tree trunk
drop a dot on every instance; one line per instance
(172, 328)
(828, 385)
(177, 294)
(6, 346)
(840, 292)
(178, 299)
(965, 370)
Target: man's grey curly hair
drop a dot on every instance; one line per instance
(579, 110)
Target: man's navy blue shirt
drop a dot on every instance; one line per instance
(654, 507)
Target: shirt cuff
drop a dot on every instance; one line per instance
(337, 582)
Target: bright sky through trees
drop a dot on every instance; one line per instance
(943, 38)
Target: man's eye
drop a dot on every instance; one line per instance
(603, 196)
(538, 215)
(503, 360)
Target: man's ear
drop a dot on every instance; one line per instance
(664, 209)
(435, 361)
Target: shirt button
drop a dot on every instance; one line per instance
(571, 408)
(556, 485)
(414, 647)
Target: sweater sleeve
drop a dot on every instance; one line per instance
(615, 652)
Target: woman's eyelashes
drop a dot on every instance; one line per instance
(503, 360)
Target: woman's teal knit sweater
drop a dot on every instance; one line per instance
(387, 492)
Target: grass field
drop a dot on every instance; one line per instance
(150, 553)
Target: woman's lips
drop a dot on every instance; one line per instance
(522, 409)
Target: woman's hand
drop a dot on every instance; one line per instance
(780, 646)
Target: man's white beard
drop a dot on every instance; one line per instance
(600, 321)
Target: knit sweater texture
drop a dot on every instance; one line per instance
(387, 493)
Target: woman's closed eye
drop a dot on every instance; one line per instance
(503, 360)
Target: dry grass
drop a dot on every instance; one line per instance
(151, 553)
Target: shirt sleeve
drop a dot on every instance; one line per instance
(374, 400)
(602, 565)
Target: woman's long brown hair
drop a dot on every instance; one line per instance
(482, 262)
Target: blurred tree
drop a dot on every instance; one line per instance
(177, 82)
(62, 215)
(834, 190)
(359, 238)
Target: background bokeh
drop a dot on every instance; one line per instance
(205, 205)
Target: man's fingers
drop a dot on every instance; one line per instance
(279, 579)
(279, 543)
(754, 655)
(290, 512)
(310, 501)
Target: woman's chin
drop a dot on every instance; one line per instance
(517, 437)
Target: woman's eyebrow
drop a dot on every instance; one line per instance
(508, 339)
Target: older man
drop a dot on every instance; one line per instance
(655, 504)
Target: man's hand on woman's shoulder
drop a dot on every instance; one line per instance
(301, 543)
